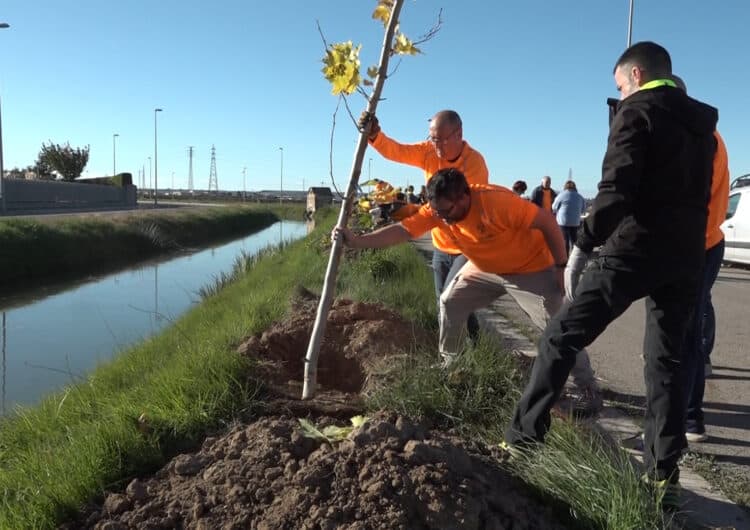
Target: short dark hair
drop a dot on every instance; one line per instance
(448, 183)
(519, 186)
(647, 56)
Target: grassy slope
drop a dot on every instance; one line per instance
(188, 380)
(68, 247)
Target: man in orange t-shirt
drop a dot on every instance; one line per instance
(697, 350)
(444, 148)
(513, 247)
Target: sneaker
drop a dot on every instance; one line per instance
(696, 435)
(586, 401)
(708, 370)
(666, 492)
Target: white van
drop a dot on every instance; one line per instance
(736, 228)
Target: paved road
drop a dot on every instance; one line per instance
(616, 358)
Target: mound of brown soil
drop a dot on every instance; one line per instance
(361, 340)
(387, 474)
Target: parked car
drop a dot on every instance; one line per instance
(740, 182)
(736, 227)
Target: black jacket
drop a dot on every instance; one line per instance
(656, 179)
(536, 196)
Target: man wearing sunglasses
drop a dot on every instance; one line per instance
(444, 148)
(513, 247)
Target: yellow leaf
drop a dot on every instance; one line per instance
(372, 72)
(404, 46)
(358, 421)
(382, 13)
(341, 67)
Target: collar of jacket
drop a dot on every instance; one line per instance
(657, 83)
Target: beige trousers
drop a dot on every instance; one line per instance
(537, 293)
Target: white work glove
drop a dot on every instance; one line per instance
(576, 263)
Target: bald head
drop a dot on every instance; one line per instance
(446, 117)
(446, 134)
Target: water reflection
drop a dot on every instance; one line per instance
(55, 338)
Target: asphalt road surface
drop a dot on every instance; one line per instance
(616, 359)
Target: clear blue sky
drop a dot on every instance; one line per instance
(529, 78)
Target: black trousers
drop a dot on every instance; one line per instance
(570, 233)
(606, 290)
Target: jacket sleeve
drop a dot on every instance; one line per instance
(622, 170)
(412, 154)
(536, 196)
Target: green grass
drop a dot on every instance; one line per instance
(188, 381)
(596, 480)
(591, 483)
(70, 247)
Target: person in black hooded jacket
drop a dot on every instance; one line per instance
(649, 217)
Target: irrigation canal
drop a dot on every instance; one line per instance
(53, 336)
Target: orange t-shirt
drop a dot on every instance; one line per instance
(496, 234)
(719, 201)
(423, 156)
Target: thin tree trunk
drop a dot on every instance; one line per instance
(329, 284)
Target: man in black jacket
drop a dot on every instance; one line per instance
(543, 195)
(650, 217)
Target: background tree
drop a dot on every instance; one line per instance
(67, 161)
(42, 170)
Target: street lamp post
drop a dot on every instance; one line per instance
(281, 176)
(630, 23)
(150, 178)
(156, 161)
(114, 155)
(3, 25)
(244, 193)
(369, 169)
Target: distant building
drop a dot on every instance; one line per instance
(317, 198)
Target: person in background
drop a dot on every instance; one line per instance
(513, 248)
(444, 148)
(411, 198)
(422, 195)
(543, 195)
(650, 216)
(697, 348)
(568, 208)
(519, 188)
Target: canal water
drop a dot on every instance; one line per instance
(53, 337)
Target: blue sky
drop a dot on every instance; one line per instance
(529, 78)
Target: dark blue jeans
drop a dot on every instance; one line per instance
(570, 233)
(700, 335)
(606, 290)
(444, 268)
